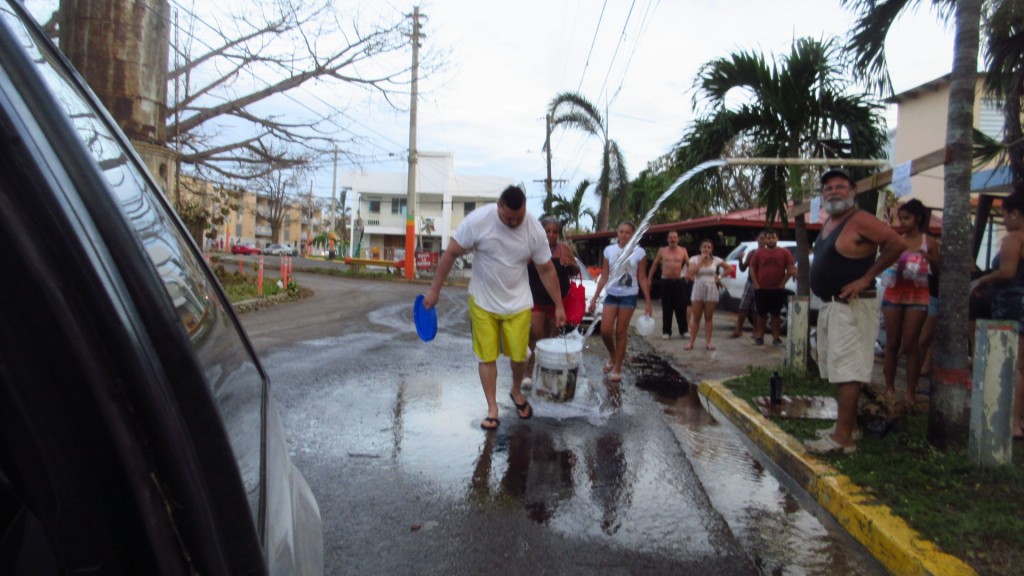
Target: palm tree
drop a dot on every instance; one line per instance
(572, 110)
(798, 107)
(1004, 58)
(570, 212)
(1004, 76)
(949, 418)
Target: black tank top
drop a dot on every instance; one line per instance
(831, 270)
(540, 294)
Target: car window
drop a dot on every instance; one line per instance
(737, 252)
(236, 379)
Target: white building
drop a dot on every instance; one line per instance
(443, 199)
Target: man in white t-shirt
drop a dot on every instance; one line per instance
(504, 238)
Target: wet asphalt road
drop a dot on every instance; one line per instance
(619, 481)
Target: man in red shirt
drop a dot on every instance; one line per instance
(770, 268)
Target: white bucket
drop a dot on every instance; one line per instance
(558, 363)
(645, 325)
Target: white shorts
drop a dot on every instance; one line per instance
(704, 291)
(846, 340)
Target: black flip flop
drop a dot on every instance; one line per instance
(520, 407)
(490, 428)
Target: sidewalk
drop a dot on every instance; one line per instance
(886, 536)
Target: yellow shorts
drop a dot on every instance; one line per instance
(494, 334)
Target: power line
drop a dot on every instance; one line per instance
(592, 43)
(615, 54)
(644, 25)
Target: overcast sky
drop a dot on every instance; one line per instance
(510, 58)
(507, 60)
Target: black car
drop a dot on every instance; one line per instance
(138, 432)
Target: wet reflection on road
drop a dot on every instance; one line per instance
(645, 470)
(780, 530)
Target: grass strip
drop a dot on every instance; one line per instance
(974, 513)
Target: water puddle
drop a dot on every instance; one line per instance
(775, 522)
(655, 374)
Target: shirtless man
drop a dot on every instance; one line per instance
(675, 289)
(846, 262)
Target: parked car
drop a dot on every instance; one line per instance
(280, 250)
(733, 284)
(138, 431)
(246, 249)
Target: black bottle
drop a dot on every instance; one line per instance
(775, 388)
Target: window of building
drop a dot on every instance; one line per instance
(374, 206)
(398, 206)
(468, 207)
(990, 118)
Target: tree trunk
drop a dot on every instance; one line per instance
(949, 416)
(603, 187)
(121, 49)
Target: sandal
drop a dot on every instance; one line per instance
(607, 368)
(525, 406)
(615, 377)
(493, 426)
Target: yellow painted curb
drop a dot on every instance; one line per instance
(886, 536)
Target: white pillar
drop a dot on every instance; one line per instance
(995, 352)
(797, 342)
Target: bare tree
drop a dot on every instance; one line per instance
(232, 82)
(311, 208)
(204, 206)
(277, 190)
(249, 67)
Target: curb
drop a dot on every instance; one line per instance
(886, 536)
(244, 306)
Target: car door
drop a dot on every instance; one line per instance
(137, 429)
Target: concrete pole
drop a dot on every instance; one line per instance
(548, 187)
(410, 208)
(334, 193)
(797, 343)
(990, 442)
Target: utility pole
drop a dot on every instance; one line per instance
(410, 208)
(548, 182)
(547, 148)
(334, 190)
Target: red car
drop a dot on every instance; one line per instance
(244, 249)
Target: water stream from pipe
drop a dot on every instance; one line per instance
(618, 268)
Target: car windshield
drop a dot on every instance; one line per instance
(583, 270)
(236, 379)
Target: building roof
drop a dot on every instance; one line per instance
(753, 218)
(930, 86)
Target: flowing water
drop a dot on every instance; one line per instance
(618, 268)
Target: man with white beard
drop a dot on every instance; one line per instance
(846, 262)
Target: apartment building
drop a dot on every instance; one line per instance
(246, 218)
(443, 199)
(921, 114)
